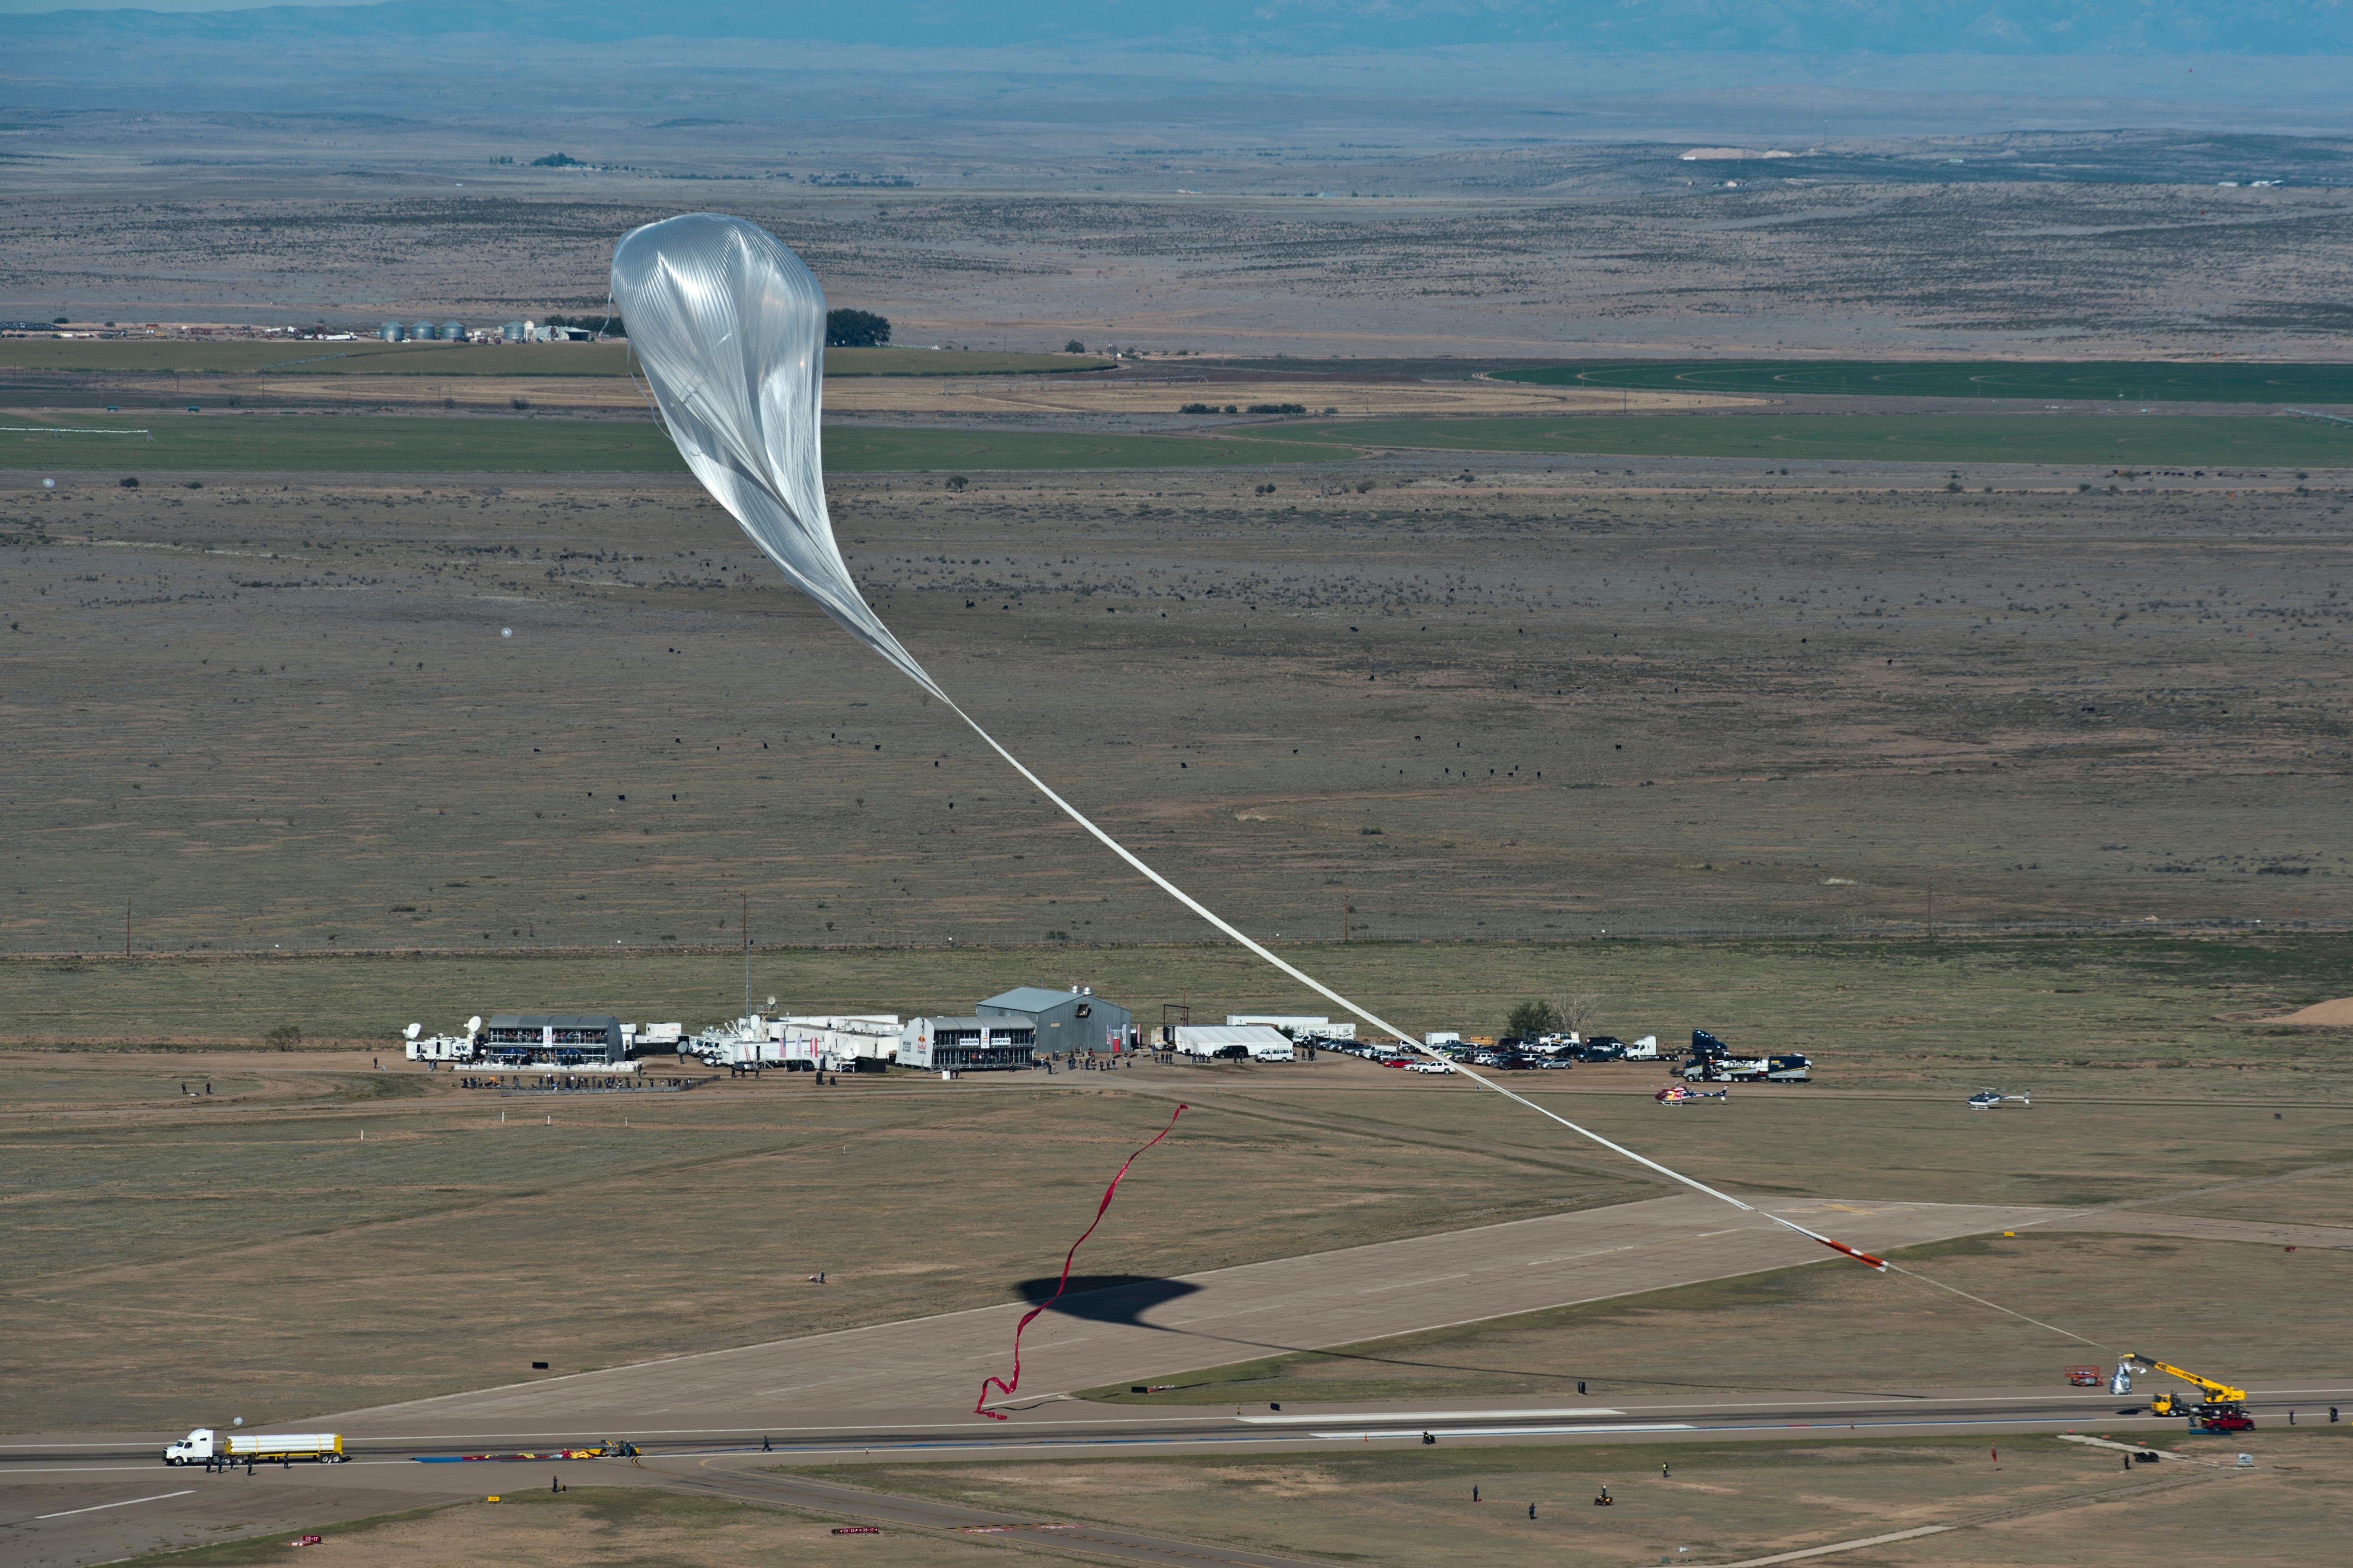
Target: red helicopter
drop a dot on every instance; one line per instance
(1678, 1094)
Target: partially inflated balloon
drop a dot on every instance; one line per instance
(730, 326)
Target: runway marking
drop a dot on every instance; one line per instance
(1359, 1433)
(1410, 1284)
(1327, 1419)
(126, 1502)
(1845, 1546)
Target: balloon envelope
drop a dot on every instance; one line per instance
(729, 326)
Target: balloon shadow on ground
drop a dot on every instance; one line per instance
(1106, 1298)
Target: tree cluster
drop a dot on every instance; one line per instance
(848, 329)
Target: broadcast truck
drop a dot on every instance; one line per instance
(204, 1444)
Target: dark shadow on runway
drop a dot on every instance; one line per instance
(1106, 1298)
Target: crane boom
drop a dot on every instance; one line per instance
(2219, 1392)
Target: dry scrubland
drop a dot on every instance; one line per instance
(1507, 266)
(1531, 703)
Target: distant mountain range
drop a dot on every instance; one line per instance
(1815, 28)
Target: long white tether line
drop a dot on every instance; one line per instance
(1222, 924)
(879, 637)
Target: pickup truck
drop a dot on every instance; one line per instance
(204, 1444)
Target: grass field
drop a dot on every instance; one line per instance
(1723, 1503)
(2139, 381)
(2135, 441)
(2250, 1309)
(217, 442)
(374, 357)
(613, 1527)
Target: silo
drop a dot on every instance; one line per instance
(390, 331)
(511, 331)
(422, 331)
(453, 331)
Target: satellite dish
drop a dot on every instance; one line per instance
(771, 1001)
(474, 1024)
(411, 1032)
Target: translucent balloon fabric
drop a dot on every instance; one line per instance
(729, 326)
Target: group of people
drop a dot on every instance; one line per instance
(1073, 1061)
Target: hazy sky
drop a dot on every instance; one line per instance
(2065, 27)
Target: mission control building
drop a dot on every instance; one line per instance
(1012, 1029)
(1073, 1020)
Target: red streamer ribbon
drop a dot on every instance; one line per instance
(1854, 1252)
(980, 1405)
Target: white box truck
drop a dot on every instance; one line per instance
(204, 1443)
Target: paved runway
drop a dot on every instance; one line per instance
(906, 1390)
(930, 1369)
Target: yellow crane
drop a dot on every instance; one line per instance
(2223, 1409)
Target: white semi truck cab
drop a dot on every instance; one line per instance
(205, 1444)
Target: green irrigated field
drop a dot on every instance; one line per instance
(362, 444)
(373, 357)
(866, 449)
(338, 444)
(2131, 381)
(2135, 441)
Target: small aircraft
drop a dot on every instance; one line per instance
(1987, 1098)
(1677, 1094)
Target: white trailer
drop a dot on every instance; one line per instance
(825, 1041)
(204, 1444)
(1298, 1025)
(743, 1043)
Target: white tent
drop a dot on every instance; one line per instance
(1259, 1042)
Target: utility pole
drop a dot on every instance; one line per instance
(1344, 914)
(1932, 912)
(747, 954)
(126, 925)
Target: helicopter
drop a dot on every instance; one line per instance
(1988, 1099)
